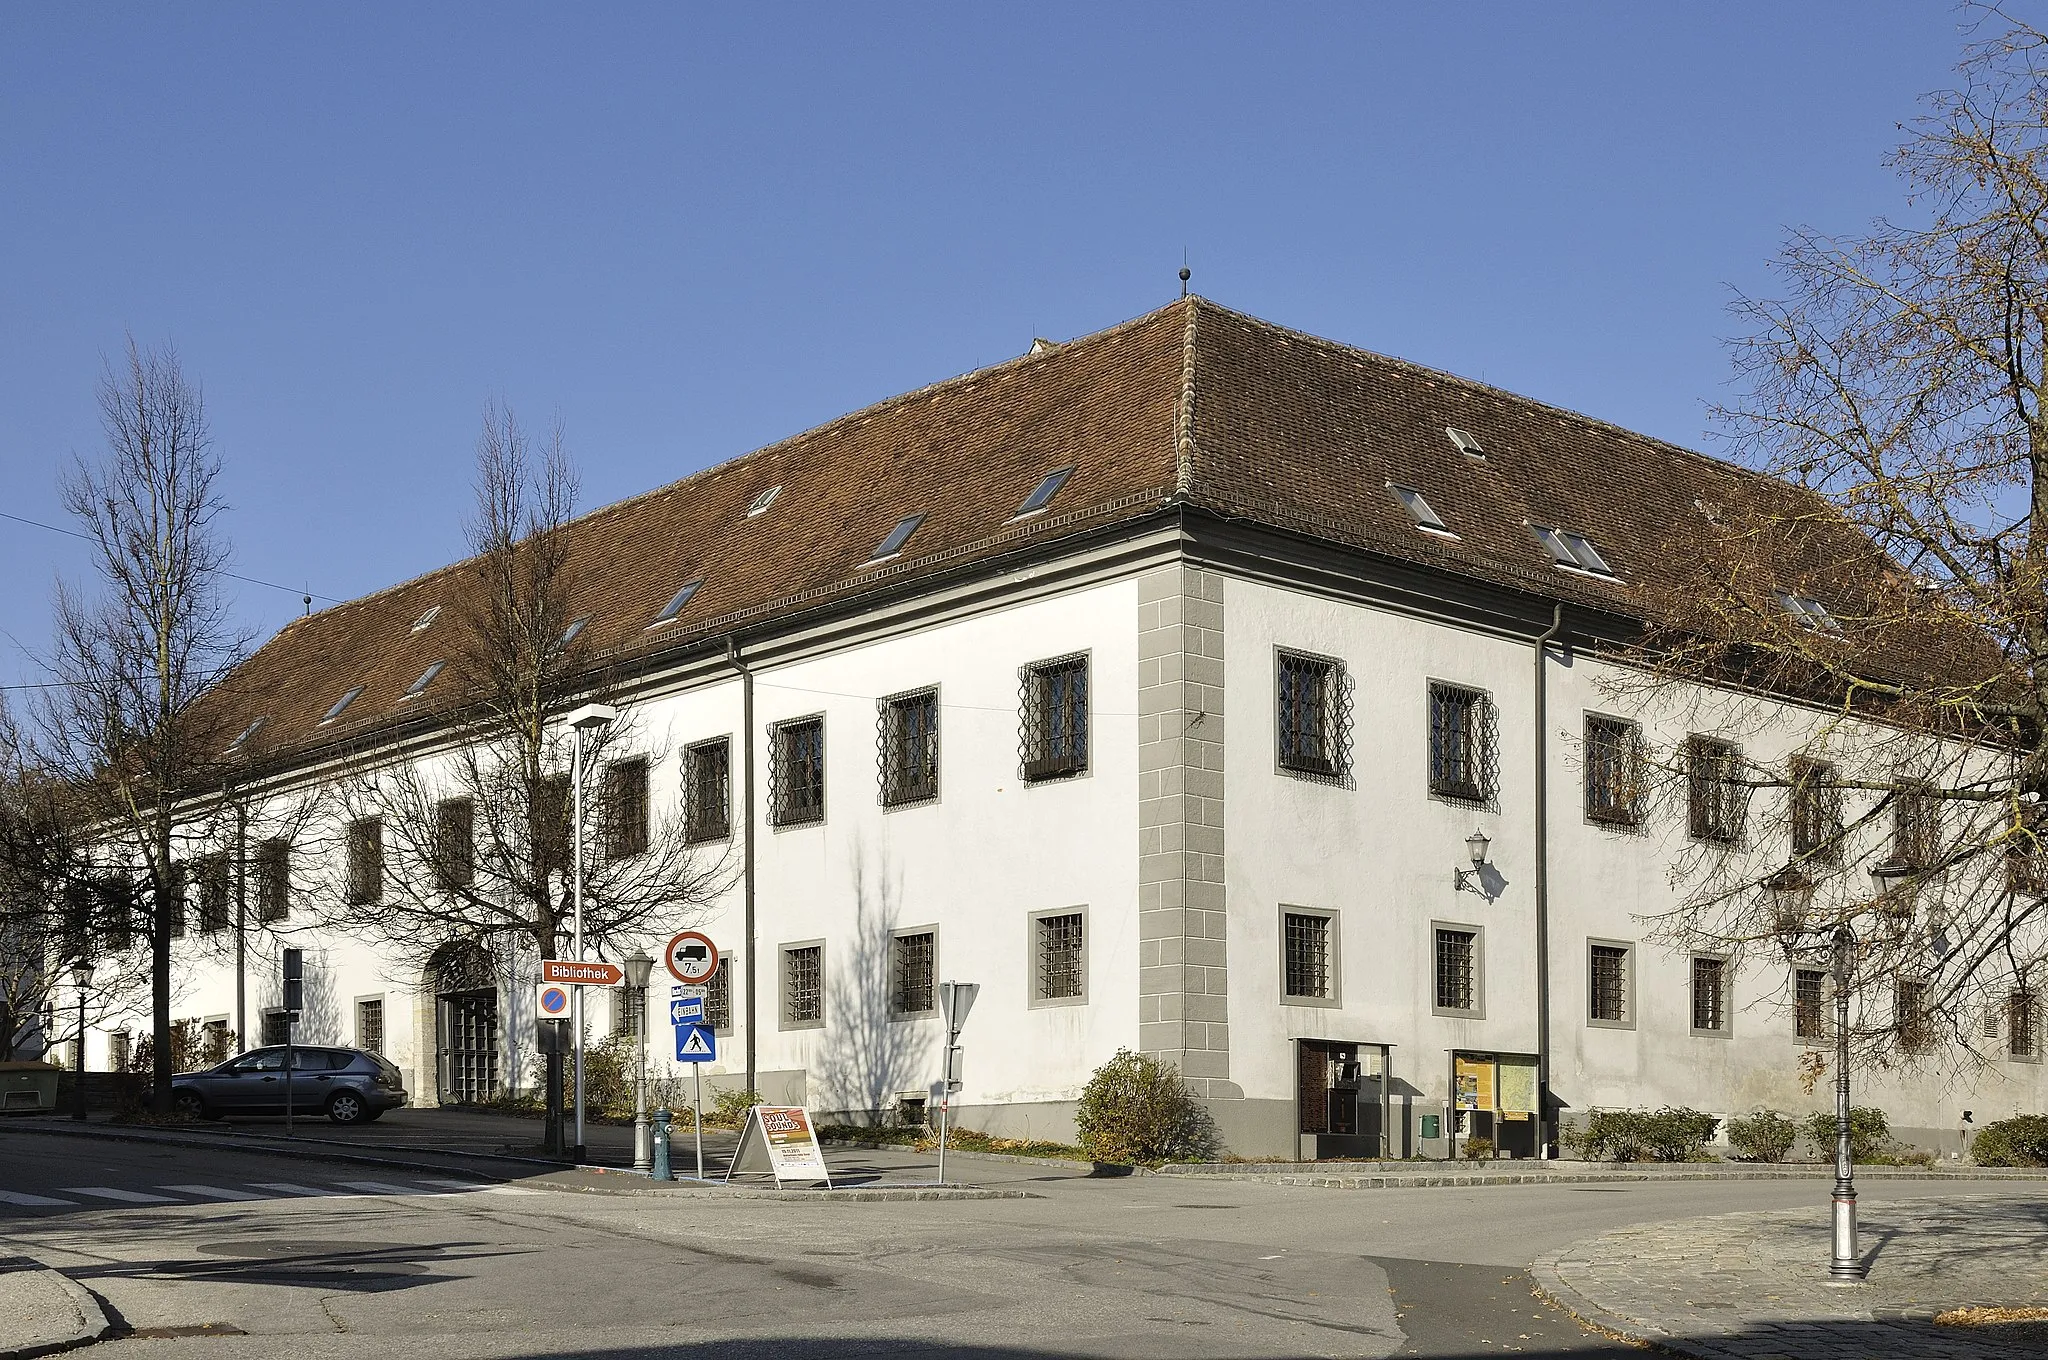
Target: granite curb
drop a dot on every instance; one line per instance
(1457, 1181)
(60, 1314)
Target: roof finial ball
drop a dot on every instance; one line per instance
(1185, 275)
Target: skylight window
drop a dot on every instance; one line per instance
(675, 606)
(1425, 516)
(251, 730)
(339, 704)
(760, 503)
(419, 686)
(570, 633)
(1044, 492)
(1810, 612)
(1465, 443)
(420, 624)
(1574, 552)
(898, 536)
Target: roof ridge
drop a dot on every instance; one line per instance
(1184, 418)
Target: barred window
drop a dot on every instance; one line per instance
(707, 791)
(1309, 713)
(213, 893)
(116, 902)
(908, 742)
(625, 808)
(912, 965)
(550, 813)
(1614, 770)
(76, 910)
(365, 861)
(370, 1025)
(454, 843)
(796, 772)
(1059, 957)
(1607, 983)
(803, 984)
(216, 1042)
(1910, 1016)
(1809, 1004)
(1306, 965)
(1916, 824)
(273, 879)
(1462, 759)
(1054, 708)
(1816, 812)
(1457, 969)
(718, 994)
(175, 893)
(1709, 995)
(2022, 1028)
(277, 1029)
(2026, 866)
(1716, 798)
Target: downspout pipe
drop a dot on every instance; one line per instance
(1543, 641)
(750, 954)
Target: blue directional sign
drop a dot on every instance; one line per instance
(696, 1043)
(686, 1010)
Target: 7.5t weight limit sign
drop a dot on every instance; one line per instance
(692, 958)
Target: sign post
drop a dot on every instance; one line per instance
(696, 1044)
(294, 1002)
(956, 999)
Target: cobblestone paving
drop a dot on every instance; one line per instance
(1752, 1285)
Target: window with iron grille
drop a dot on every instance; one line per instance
(1716, 799)
(625, 808)
(365, 861)
(796, 772)
(1910, 1016)
(1457, 970)
(454, 843)
(370, 1025)
(120, 1048)
(1916, 824)
(913, 965)
(277, 1028)
(76, 913)
(2026, 864)
(175, 893)
(1709, 995)
(216, 1042)
(117, 911)
(1310, 710)
(551, 816)
(1308, 960)
(2022, 1025)
(718, 994)
(1059, 958)
(1816, 812)
(1462, 759)
(1614, 770)
(213, 893)
(803, 985)
(1053, 704)
(1809, 1004)
(907, 746)
(273, 879)
(1607, 970)
(707, 791)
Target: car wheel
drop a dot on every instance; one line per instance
(346, 1107)
(189, 1104)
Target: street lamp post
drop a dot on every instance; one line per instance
(638, 966)
(82, 975)
(1847, 1265)
(591, 718)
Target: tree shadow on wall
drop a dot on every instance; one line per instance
(870, 1056)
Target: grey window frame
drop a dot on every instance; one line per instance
(782, 988)
(1815, 808)
(1035, 734)
(628, 807)
(365, 885)
(1821, 1030)
(1625, 809)
(1628, 984)
(273, 879)
(781, 813)
(891, 747)
(1333, 717)
(2023, 1004)
(216, 892)
(1477, 1010)
(697, 829)
(282, 1017)
(1914, 1023)
(1916, 823)
(1034, 958)
(719, 1011)
(1726, 984)
(1716, 802)
(454, 864)
(896, 937)
(1479, 734)
(361, 1003)
(1333, 955)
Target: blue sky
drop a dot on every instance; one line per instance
(687, 231)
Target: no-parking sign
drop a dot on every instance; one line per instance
(553, 1001)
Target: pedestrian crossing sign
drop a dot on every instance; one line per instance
(696, 1044)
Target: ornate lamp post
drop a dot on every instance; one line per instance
(81, 973)
(638, 966)
(590, 719)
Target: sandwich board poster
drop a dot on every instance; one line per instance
(786, 1135)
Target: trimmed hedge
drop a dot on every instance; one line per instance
(1870, 1135)
(1136, 1111)
(1672, 1134)
(2019, 1141)
(1765, 1136)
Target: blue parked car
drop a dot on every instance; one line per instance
(348, 1085)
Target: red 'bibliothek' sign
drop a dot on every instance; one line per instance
(589, 973)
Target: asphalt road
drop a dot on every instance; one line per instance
(231, 1254)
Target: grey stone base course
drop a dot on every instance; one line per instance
(819, 1195)
(44, 1311)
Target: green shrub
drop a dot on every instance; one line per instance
(729, 1111)
(608, 1072)
(1672, 1134)
(1870, 1134)
(1478, 1149)
(1136, 1111)
(1765, 1136)
(2019, 1141)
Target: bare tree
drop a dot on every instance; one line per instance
(122, 731)
(471, 840)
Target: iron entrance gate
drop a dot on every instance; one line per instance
(466, 1025)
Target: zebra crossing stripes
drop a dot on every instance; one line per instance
(35, 1201)
(212, 1192)
(120, 1196)
(86, 1196)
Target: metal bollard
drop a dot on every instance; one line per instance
(661, 1171)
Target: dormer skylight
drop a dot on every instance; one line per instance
(1045, 491)
(251, 730)
(1810, 613)
(575, 627)
(419, 686)
(675, 606)
(759, 505)
(339, 704)
(1574, 552)
(420, 624)
(1425, 516)
(1464, 442)
(898, 536)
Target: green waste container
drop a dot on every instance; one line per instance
(28, 1087)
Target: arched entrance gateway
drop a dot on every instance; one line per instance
(465, 1023)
